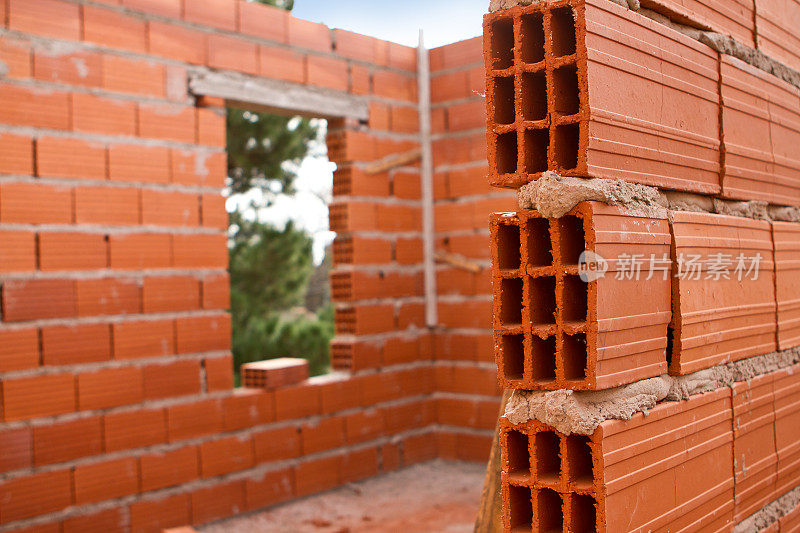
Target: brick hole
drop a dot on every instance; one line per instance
(566, 90)
(572, 239)
(520, 503)
(566, 141)
(543, 300)
(519, 456)
(562, 29)
(579, 459)
(506, 153)
(513, 356)
(508, 243)
(341, 286)
(540, 249)
(548, 458)
(573, 353)
(343, 250)
(543, 358)
(534, 95)
(511, 301)
(536, 142)
(549, 511)
(532, 38)
(574, 306)
(503, 95)
(502, 43)
(670, 344)
(583, 514)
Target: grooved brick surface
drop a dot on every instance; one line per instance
(761, 129)
(734, 18)
(786, 239)
(550, 105)
(729, 318)
(672, 468)
(777, 22)
(554, 330)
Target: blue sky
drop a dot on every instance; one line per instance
(444, 21)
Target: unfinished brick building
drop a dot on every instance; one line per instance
(693, 109)
(118, 410)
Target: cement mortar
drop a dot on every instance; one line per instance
(784, 214)
(770, 513)
(752, 209)
(553, 195)
(581, 412)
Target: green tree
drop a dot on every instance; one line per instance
(263, 148)
(285, 4)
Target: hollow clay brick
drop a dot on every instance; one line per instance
(156, 514)
(760, 118)
(134, 429)
(274, 373)
(113, 29)
(147, 338)
(263, 21)
(670, 469)
(218, 501)
(19, 349)
(191, 420)
(352, 355)
(108, 296)
(65, 441)
(50, 18)
(268, 489)
(29, 496)
(177, 378)
(176, 42)
(108, 521)
(246, 408)
(552, 329)
(225, 455)
(38, 396)
(219, 373)
(19, 251)
(215, 13)
(734, 18)
(166, 469)
(755, 458)
(717, 320)
(96, 482)
(787, 428)
(551, 107)
(786, 239)
(84, 343)
(777, 22)
(111, 387)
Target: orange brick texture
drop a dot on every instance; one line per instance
(678, 116)
(709, 463)
(552, 329)
(117, 408)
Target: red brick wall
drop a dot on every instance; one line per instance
(466, 386)
(118, 411)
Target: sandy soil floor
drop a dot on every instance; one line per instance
(433, 497)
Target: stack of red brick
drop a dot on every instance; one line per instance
(590, 89)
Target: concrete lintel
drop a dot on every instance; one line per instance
(262, 94)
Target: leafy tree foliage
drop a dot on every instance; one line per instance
(263, 148)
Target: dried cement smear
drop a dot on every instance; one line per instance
(751, 209)
(770, 513)
(581, 412)
(553, 195)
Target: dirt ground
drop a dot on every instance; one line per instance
(435, 497)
